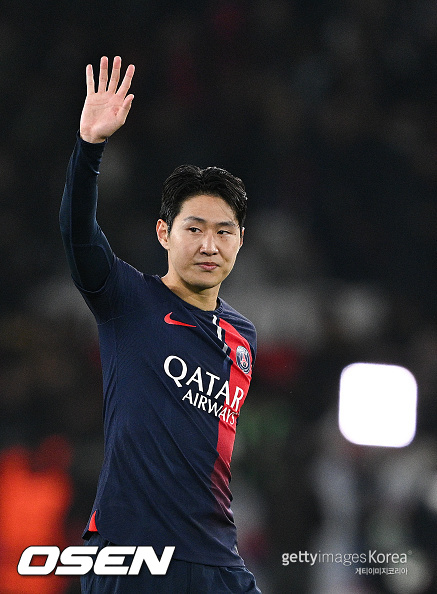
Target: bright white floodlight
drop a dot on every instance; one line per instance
(377, 405)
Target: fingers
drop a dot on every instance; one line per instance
(127, 80)
(124, 110)
(103, 85)
(127, 103)
(103, 76)
(115, 74)
(89, 79)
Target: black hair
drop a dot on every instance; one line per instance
(188, 181)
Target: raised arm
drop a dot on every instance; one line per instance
(105, 110)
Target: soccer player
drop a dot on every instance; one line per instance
(176, 360)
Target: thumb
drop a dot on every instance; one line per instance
(127, 103)
(124, 109)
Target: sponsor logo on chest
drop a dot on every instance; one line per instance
(207, 391)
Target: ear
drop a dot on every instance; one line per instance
(162, 233)
(241, 237)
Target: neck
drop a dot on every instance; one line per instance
(205, 299)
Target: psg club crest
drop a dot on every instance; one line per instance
(243, 359)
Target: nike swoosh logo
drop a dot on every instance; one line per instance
(169, 320)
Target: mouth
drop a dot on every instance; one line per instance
(208, 266)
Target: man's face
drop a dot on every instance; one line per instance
(203, 243)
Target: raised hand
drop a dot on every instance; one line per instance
(106, 110)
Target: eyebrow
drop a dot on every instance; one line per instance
(200, 220)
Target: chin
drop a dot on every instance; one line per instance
(203, 284)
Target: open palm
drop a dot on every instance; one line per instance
(106, 109)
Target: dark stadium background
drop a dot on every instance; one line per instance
(327, 111)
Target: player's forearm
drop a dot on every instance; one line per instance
(79, 202)
(88, 252)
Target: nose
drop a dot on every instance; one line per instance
(208, 246)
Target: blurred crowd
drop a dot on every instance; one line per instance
(326, 110)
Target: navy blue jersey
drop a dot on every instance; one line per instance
(175, 378)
